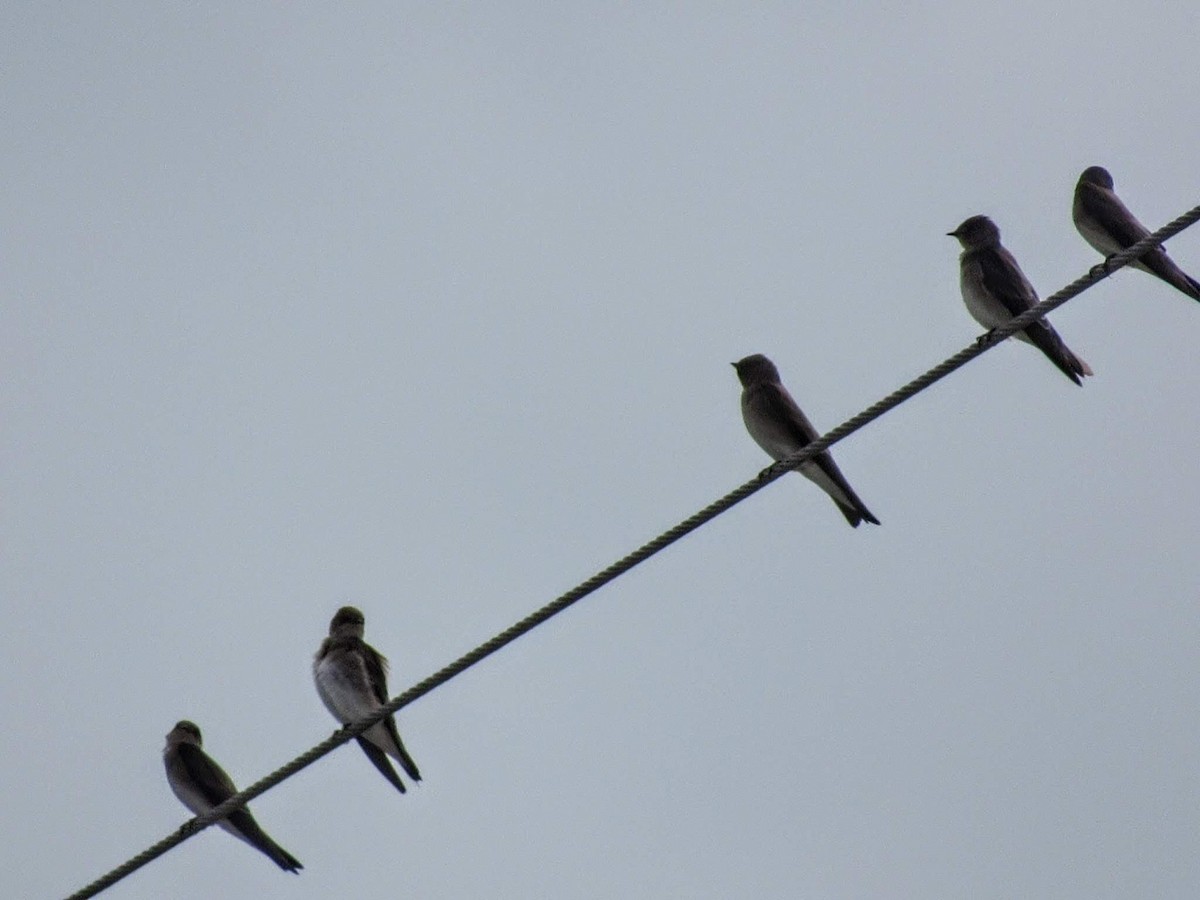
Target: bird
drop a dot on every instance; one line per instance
(995, 290)
(351, 679)
(201, 784)
(779, 426)
(1108, 225)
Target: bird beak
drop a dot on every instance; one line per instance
(951, 234)
(734, 365)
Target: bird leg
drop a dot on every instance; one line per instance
(987, 338)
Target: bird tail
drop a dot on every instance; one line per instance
(406, 761)
(856, 515)
(283, 859)
(396, 749)
(379, 760)
(1157, 263)
(1076, 363)
(1046, 339)
(242, 825)
(824, 473)
(1193, 286)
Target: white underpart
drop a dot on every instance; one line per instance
(349, 701)
(190, 797)
(817, 476)
(776, 440)
(199, 805)
(1099, 238)
(779, 445)
(1104, 242)
(986, 309)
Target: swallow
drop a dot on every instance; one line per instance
(1108, 225)
(201, 784)
(351, 678)
(779, 426)
(996, 290)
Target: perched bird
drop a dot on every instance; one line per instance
(1108, 225)
(201, 784)
(351, 677)
(779, 426)
(995, 290)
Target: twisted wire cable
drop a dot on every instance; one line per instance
(772, 473)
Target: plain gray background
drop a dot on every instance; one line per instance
(429, 308)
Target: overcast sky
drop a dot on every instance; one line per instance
(430, 309)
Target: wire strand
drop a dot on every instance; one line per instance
(772, 473)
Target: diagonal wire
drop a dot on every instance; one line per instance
(772, 473)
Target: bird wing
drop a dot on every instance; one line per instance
(377, 665)
(778, 408)
(207, 777)
(379, 760)
(1003, 279)
(1106, 209)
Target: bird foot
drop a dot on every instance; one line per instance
(987, 338)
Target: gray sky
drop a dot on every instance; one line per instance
(430, 309)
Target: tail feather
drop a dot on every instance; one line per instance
(856, 516)
(1157, 263)
(1186, 284)
(850, 513)
(1047, 340)
(245, 827)
(1194, 293)
(824, 473)
(379, 760)
(409, 766)
(283, 859)
(400, 754)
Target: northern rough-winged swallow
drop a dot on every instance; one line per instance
(1106, 224)
(201, 784)
(779, 426)
(995, 290)
(351, 678)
